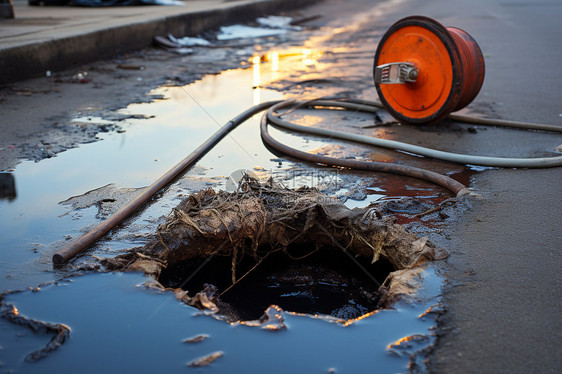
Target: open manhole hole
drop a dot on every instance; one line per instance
(236, 254)
(299, 279)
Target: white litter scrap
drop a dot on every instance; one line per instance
(188, 41)
(277, 22)
(270, 26)
(247, 32)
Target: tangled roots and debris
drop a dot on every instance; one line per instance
(259, 219)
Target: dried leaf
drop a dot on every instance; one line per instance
(206, 360)
(196, 339)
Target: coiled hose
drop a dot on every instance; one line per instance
(273, 116)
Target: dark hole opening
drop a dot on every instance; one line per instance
(326, 282)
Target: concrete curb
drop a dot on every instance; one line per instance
(32, 60)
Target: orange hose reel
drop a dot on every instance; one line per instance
(423, 71)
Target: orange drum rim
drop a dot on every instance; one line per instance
(428, 45)
(473, 66)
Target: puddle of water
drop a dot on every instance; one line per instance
(371, 196)
(121, 321)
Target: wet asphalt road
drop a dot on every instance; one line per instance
(504, 290)
(503, 293)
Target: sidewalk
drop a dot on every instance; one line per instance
(59, 37)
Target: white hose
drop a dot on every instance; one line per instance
(366, 106)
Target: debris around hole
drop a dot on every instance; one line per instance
(271, 320)
(401, 285)
(259, 219)
(267, 214)
(202, 300)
